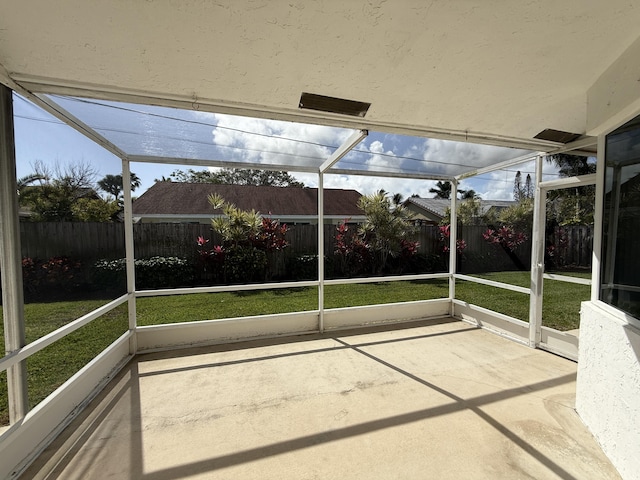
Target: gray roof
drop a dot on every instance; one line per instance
(438, 206)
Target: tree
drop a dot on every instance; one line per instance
(113, 184)
(572, 206)
(528, 187)
(236, 176)
(572, 165)
(518, 216)
(518, 191)
(441, 190)
(236, 225)
(250, 241)
(23, 182)
(385, 228)
(27, 180)
(522, 192)
(77, 176)
(468, 194)
(65, 194)
(468, 212)
(94, 210)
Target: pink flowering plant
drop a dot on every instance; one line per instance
(505, 236)
(445, 234)
(351, 250)
(210, 259)
(250, 244)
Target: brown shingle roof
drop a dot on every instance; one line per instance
(178, 198)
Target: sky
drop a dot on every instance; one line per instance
(191, 134)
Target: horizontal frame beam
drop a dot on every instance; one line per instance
(484, 281)
(56, 335)
(568, 182)
(343, 149)
(497, 166)
(104, 92)
(567, 278)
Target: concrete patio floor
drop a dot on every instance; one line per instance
(430, 400)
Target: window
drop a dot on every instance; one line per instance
(620, 275)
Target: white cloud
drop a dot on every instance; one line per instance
(379, 152)
(272, 144)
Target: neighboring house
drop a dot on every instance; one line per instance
(179, 202)
(431, 211)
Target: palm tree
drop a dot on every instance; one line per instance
(27, 180)
(468, 194)
(112, 184)
(441, 190)
(572, 165)
(385, 226)
(579, 201)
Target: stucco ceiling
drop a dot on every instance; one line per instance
(478, 68)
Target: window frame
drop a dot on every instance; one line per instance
(601, 252)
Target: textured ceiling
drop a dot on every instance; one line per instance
(475, 68)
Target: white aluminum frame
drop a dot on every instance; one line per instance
(29, 433)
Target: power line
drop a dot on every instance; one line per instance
(270, 136)
(194, 122)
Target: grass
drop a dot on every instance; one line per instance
(210, 306)
(51, 367)
(560, 304)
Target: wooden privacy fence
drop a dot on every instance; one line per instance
(92, 241)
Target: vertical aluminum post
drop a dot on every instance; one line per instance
(537, 258)
(321, 252)
(129, 253)
(11, 261)
(598, 216)
(453, 245)
(355, 138)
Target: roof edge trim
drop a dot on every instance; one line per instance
(44, 85)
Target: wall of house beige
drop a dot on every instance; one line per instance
(608, 383)
(608, 388)
(615, 96)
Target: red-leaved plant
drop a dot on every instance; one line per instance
(505, 236)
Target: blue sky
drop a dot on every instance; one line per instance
(40, 137)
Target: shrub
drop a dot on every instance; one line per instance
(154, 272)
(59, 273)
(251, 244)
(505, 236)
(302, 267)
(245, 264)
(163, 272)
(110, 274)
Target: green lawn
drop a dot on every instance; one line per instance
(52, 366)
(560, 305)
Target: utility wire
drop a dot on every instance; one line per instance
(271, 136)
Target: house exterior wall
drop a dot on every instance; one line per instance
(424, 215)
(608, 387)
(614, 97)
(608, 383)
